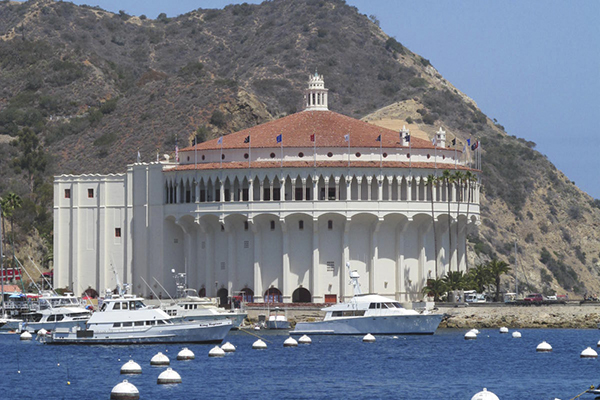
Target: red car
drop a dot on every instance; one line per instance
(534, 298)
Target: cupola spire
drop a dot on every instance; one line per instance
(315, 96)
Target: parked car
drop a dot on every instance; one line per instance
(534, 298)
(551, 297)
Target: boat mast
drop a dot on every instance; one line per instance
(2, 261)
(516, 273)
(354, 278)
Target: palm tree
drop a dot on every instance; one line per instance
(431, 182)
(469, 178)
(454, 280)
(436, 288)
(459, 180)
(497, 268)
(480, 277)
(448, 179)
(10, 203)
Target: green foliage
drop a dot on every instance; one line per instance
(226, 82)
(218, 119)
(580, 254)
(32, 158)
(201, 134)
(418, 82)
(194, 68)
(109, 106)
(162, 17)
(429, 119)
(529, 238)
(435, 288)
(65, 72)
(409, 120)
(106, 140)
(242, 10)
(595, 203)
(564, 274)
(424, 61)
(211, 14)
(393, 45)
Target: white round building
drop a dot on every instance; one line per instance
(274, 212)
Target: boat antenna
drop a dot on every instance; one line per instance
(119, 287)
(43, 277)
(354, 278)
(153, 292)
(2, 261)
(163, 288)
(180, 283)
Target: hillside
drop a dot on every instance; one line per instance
(82, 90)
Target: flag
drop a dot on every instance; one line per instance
(454, 142)
(407, 138)
(279, 138)
(475, 145)
(434, 141)
(247, 139)
(346, 138)
(139, 157)
(220, 141)
(469, 142)
(177, 153)
(312, 137)
(378, 138)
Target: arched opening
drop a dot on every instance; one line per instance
(247, 295)
(222, 295)
(273, 295)
(202, 292)
(301, 295)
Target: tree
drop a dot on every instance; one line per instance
(10, 203)
(458, 180)
(431, 182)
(32, 158)
(435, 288)
(455, 280)
(448, 179)
(497, 268)
(479, 277)
(469, 179)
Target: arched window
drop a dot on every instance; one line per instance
(273, 295)
(301, 295)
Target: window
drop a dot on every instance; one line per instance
(222, 156)
(301, 154)
(203, 157)
(91, 193)
(117, 306)
(330, 266)
(330, 154)
(357, 155)
(245, 225)
(272, 225)
(222, 228)
(139, 323)
(160, 322)
(246, 156)
(428, 156)
(118, 232)
(330, 224)
(124, 305)
(67, 193)
(127, 324)
(246, 244)
(222, 265)
(301, 225)
(188, 158)
(272, 155)
(407, 155)
(384, 155)
(117, 325)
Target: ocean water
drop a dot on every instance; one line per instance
(442, 366)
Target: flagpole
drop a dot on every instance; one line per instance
(281, 149)
(221, 158)
(348, 150)
(455, 152)
(409, 151)
(315, 148)
(380, 153)
(249, 150)
(195, 153)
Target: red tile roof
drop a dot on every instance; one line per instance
(320, 164)
(296, 130)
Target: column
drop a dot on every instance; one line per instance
(271, 184)
(380, 188)
(409, 183)
(348, 188)
(282, 189)
(315, 188)
(337, 188)
(250, 189)
(369, 181)
(197, 190)
(375, 254)
(399, 180)
(293, 196)
(316, 292)
(359, 187)
(303, 189)
(209, 265)
(400, 260)
(287, 295)
(390, 187)
(221, 191)
(258, 287)
(262, 190)
(326, 188)
(345, 259)
(231, 258)
(422, 261)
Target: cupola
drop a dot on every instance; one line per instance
(440, 138)
(315, 96)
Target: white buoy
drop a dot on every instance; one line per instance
(42, 333)
(124, 391)
(228, 348)
(544, 348)
(259, 345)
(503, 329)
(131, 368)
(304, 339)
(160, 359)
(369, 338)
(216, 352)
(26, 336)
(185, 354)
(598, 344)
(516, 334)
(589, 353)
(257, 328)
(470, 335)
(475, 331)
(290, 342)
(168, 376)
(485, 395)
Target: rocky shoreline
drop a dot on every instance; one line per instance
(573, 316)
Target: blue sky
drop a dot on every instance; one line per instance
(533, 65)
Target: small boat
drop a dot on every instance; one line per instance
(125, 319)
(56, 311)
(370, 313)
(191, 307)
(277, 321)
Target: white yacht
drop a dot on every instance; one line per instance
(125, 319)
(191, 307)
(370, 313)
(55, 311)
(277, 321)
